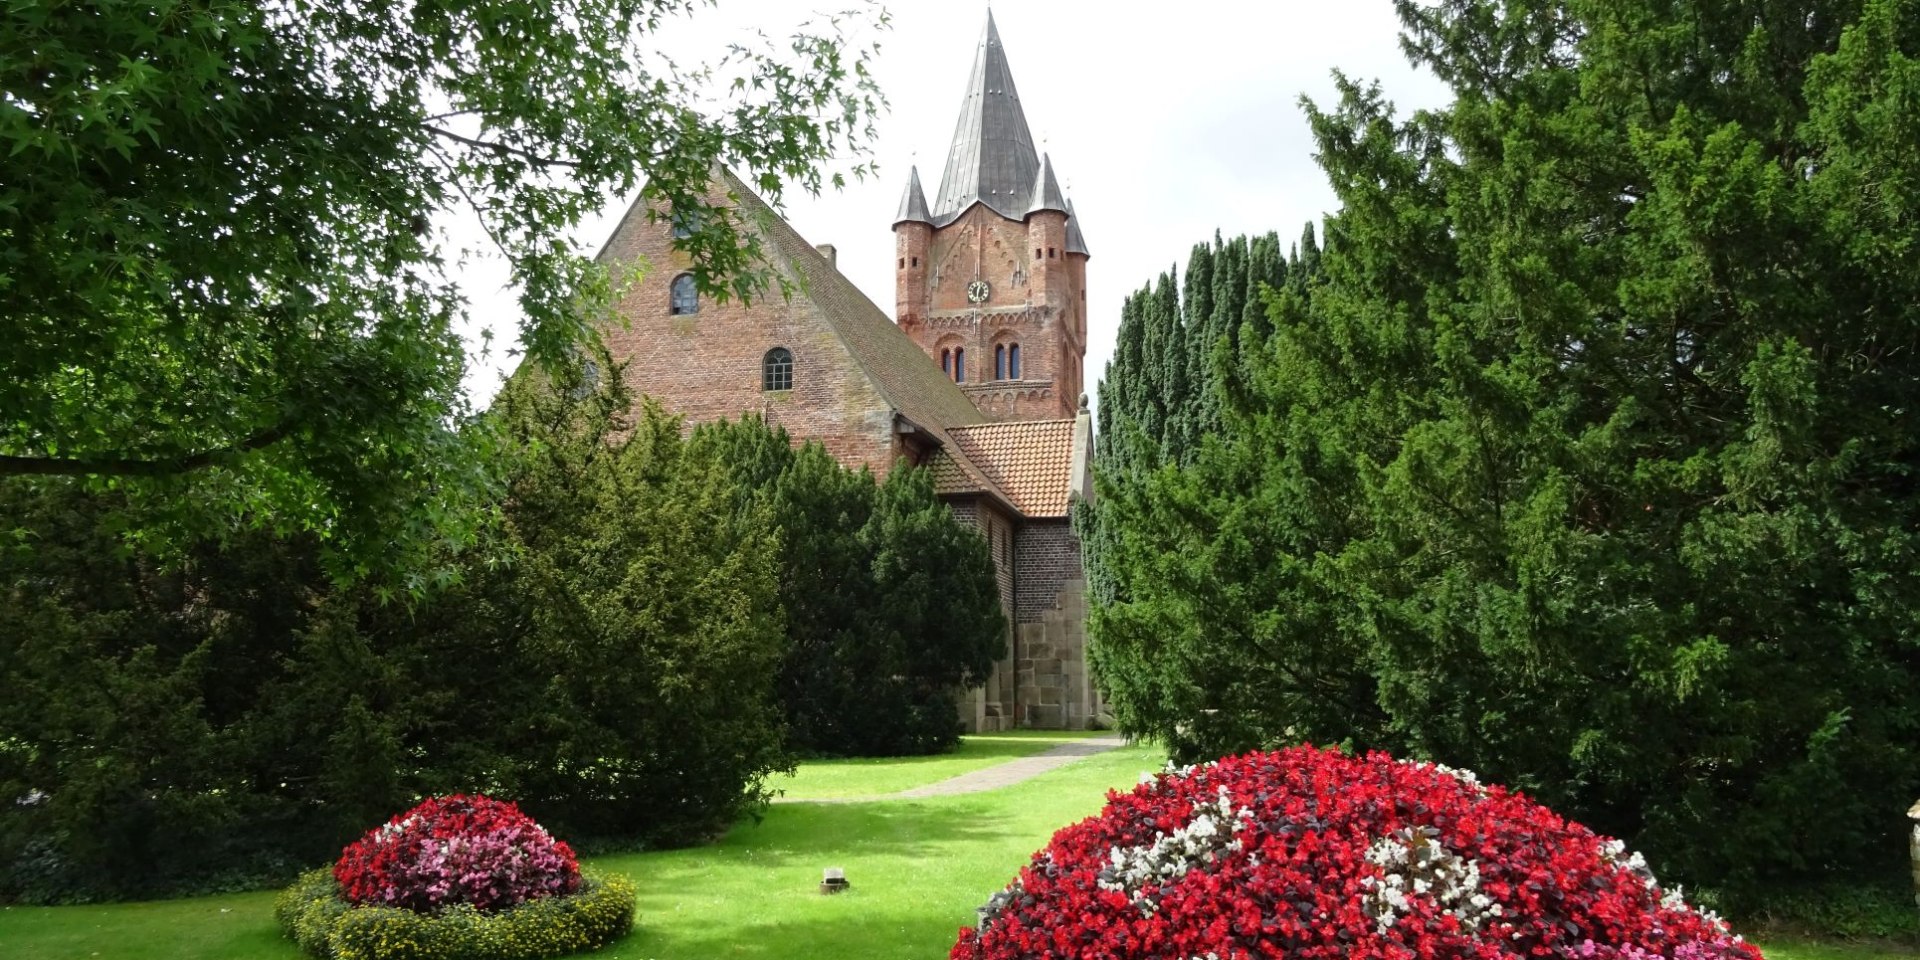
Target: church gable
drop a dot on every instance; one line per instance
(848, 378)
(780, 358)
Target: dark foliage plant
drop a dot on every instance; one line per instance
(608, 658)
(1587, 458)
(891, 604)
(224, 284)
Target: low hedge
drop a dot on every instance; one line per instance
(314, 915)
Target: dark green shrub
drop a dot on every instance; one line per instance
(608, 657)
(314, 915)
(1588, 458)
(891, 605)
(1849, 910)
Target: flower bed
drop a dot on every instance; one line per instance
(455, 878)
(457, 850)
(315, 915)
(1309, 854)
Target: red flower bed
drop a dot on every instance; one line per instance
(457, 849)
(1309, 854)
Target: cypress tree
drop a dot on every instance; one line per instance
(1581, 451)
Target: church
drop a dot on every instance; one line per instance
(977, 378)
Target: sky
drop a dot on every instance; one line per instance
(1165, 122)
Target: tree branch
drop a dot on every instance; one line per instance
(527, 155)
(127, 467)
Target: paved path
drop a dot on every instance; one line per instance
(1013, 771)
(997, 776)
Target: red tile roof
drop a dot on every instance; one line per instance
(1029, 462)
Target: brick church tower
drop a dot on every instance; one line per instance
(992, 277)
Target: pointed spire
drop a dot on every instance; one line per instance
(992, 158)
(913, 203)
(1046, 190)
(1076, 243)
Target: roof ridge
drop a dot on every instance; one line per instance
(948, 406)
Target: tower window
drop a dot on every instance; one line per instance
(1013, 361)
(1050, 252)
(686, 296)
(903, 263)
(959, 364)
(1036, 253)
(916, 261)
(1000, 362)
(776, 370)
(946, 362)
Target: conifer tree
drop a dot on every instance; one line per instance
(1582, 450)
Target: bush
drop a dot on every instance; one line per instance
(1316, 853)
(607, 657)
(1857, 909)
(452, 850)
(891, 603)
(315, 915)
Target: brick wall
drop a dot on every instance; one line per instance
(1046, 560)
(1037, 303)
(707, 365)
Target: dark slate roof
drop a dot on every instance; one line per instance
(992, 160)
(913, 203)
(1046, 190)
(903, 373)
(1076, 242)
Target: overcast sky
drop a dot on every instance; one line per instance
(1165, 121)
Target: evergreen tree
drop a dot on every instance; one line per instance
(891, 605)
(1582, 451)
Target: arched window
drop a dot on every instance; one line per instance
(1013, 361)
(946, 362)
(959, 364)
(685, 223)
(686, 297)
(1000, 361)
(776, 370)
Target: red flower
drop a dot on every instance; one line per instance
(457, 849)
(1314, 854)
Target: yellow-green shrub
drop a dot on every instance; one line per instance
(315, 916)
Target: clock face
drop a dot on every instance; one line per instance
(977, 291)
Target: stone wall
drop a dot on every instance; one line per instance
(1056, 690)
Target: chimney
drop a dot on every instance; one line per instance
(832, 255)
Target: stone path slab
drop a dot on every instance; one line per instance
(996, 776)
(1013, 771)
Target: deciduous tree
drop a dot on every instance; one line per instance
(221, 290)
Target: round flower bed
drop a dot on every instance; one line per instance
(1308, 854)
(457, 849)
(455, 878)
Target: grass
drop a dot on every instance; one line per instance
(918, 869)
(1792, 949)
(875, 777)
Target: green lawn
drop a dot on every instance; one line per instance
(918, 868)
(1785, 949)
(874, 777)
